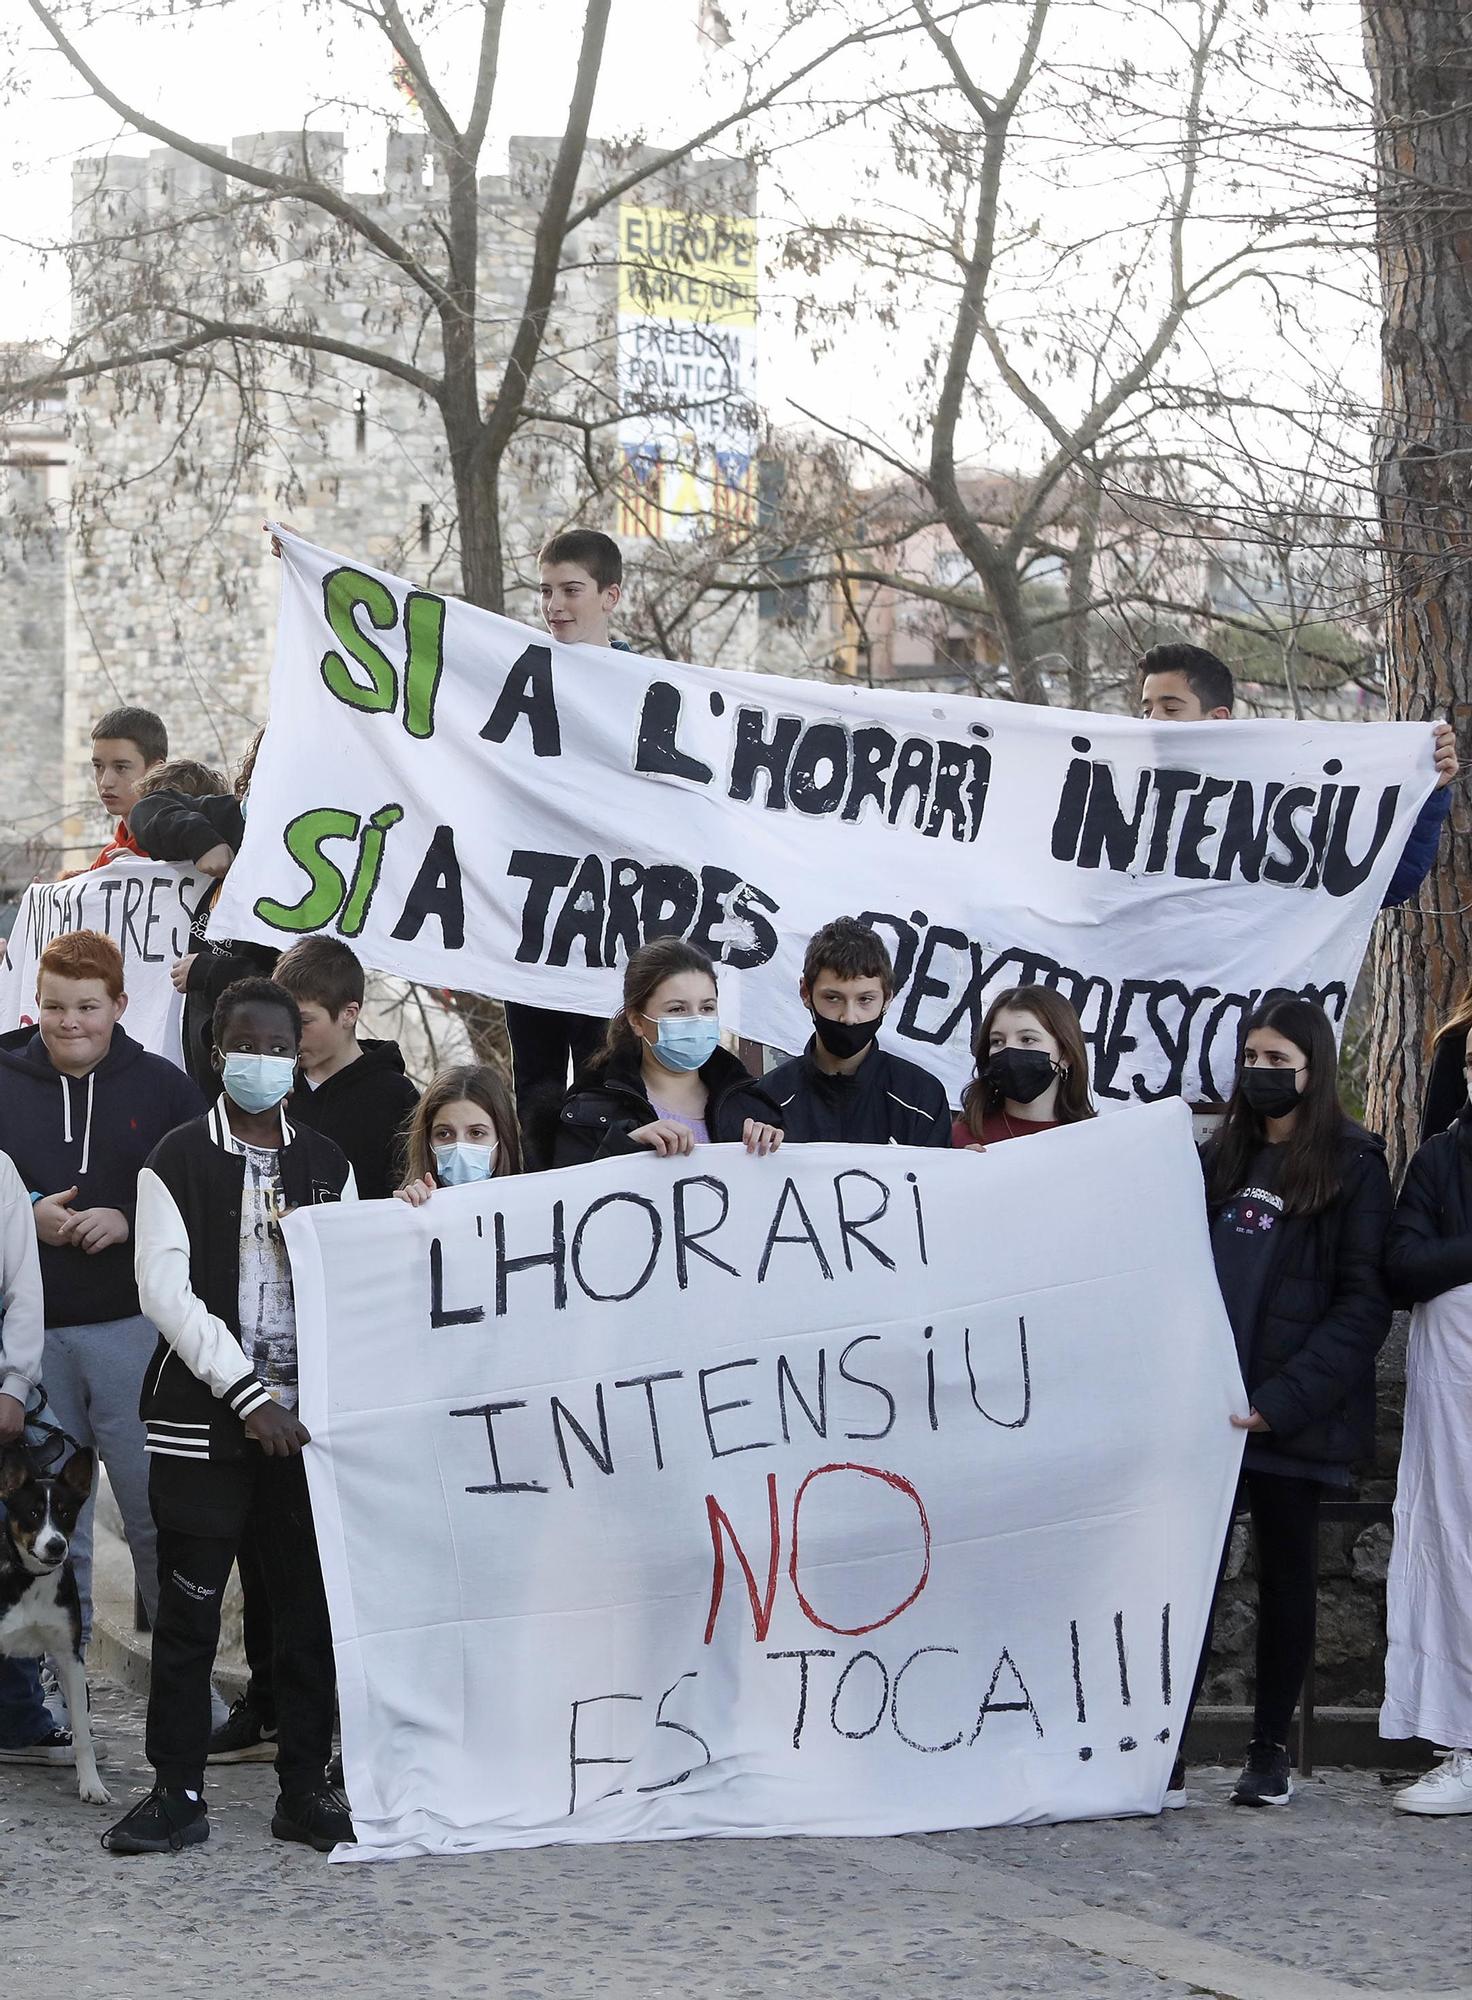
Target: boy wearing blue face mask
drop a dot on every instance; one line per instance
(225, 1443)
(662, 1079)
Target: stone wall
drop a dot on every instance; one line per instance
(32, 645)
(173, 589)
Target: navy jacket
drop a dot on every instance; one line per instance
(92, 1133)
(1324, 1317)
(887, 1100)
(1419, 856)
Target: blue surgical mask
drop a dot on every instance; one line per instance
(686, 1041)
(458, 1165)
(259, 1083)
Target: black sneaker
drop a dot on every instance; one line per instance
(162, 1823)
(1176, 1794)
(1264, 1780)
(244, 1737)
(319, 1818)
(335, 1777)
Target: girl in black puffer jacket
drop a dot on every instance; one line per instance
(1299, 1200)
(662, 1079)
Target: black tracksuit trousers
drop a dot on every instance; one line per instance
(201, 1509)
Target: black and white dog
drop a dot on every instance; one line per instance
(39, 1608)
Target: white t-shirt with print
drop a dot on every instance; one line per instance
(267, 1307)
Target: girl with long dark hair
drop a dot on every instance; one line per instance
(662, 1080)
(1299, 1202)
(1032, 1069)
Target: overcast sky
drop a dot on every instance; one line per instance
(249, 65)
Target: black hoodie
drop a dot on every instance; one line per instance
(363, 1110)
(93, 1133)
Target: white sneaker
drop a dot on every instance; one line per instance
(1447, 1789)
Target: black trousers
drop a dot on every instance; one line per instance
(200, 1510)
(545, 1047)
(257, 1626)
(1285, 1532)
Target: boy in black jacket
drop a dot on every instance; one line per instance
(219, 1404)
(176, 820)
(844, 1087)
(357, 1095)
(81, 1108)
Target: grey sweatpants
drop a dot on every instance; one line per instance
(93, 1376)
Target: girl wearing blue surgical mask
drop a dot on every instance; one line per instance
(662, 1080)
(463, 1131)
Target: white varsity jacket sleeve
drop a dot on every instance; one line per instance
(206, 1346)
(22, 1316)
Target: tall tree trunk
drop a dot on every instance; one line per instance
(1420, 60)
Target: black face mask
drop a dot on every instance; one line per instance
(1020, 1074)
(1272, 1093)
(844, 1039)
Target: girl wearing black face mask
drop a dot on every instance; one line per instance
(1032, 1071)
(1299, 1201)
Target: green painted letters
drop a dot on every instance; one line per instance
(320, 903)
(365, 875)
(344, 591)
(424, 625)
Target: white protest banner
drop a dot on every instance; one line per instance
(146, 908)
(845, 1491)
(470, 805)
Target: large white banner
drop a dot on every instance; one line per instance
(837, 1492)
(471, 805)
(146, 908)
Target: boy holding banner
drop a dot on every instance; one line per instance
(844, 1088)
(582, 573)
(224, 1438)
(1182, 683)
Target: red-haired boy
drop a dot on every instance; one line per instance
(82, 1106)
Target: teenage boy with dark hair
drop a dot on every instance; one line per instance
(219, 1403)
(356, 1094)
(81, 1108)
(127, 743)
(844, 1087)
(582, 574)
(354, 1091)
(1180, 683)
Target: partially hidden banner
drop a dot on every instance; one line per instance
(837, 1492)
(473, 806)
(146, 908)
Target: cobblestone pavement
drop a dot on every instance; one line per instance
(1335, 1897)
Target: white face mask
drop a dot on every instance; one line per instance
(458, 1165)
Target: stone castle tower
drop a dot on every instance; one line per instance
(163, 593)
